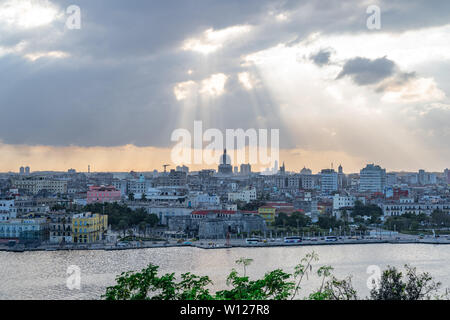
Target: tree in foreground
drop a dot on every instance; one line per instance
(274, 285)
(394, 286)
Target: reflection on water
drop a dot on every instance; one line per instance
(42, 275)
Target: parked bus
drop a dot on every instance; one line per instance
(331, 238)
(293, 239)
(252, 240)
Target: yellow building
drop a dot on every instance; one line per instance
(268, 213)
(89, 227)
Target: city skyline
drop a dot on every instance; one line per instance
(197, 168)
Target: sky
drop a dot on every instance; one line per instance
(110, 93)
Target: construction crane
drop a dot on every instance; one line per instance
(165, 166)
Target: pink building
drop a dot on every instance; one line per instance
(102, 194)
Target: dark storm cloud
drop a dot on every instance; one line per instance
(365, 71)
(322, 57)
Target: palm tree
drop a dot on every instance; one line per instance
(142, 227)
(123, 226)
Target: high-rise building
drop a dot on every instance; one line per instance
(425, 178)
(372, 179)
(329, 180)
(22, 170)
(27, 170)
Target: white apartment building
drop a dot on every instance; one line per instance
(343, 201)
(246, 195)
(13, 228)
(401, 207)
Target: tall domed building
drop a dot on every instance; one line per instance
(305, 171)
(225, 164)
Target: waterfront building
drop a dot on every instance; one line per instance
(24, 230)
(89, 227)
(60, 228)
(407, 205)
(267, 213)
(217, 223)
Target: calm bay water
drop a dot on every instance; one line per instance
(42, 275)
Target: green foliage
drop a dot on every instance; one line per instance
(251, 206)
(440, 218)
(244, 262)
(275, 285)
(296, 219)
(146, 285)
(394, 286)
(407, 222)
(372, 210)
(120, 216)
(328, 221)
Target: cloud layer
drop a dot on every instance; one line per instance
(138, 70)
